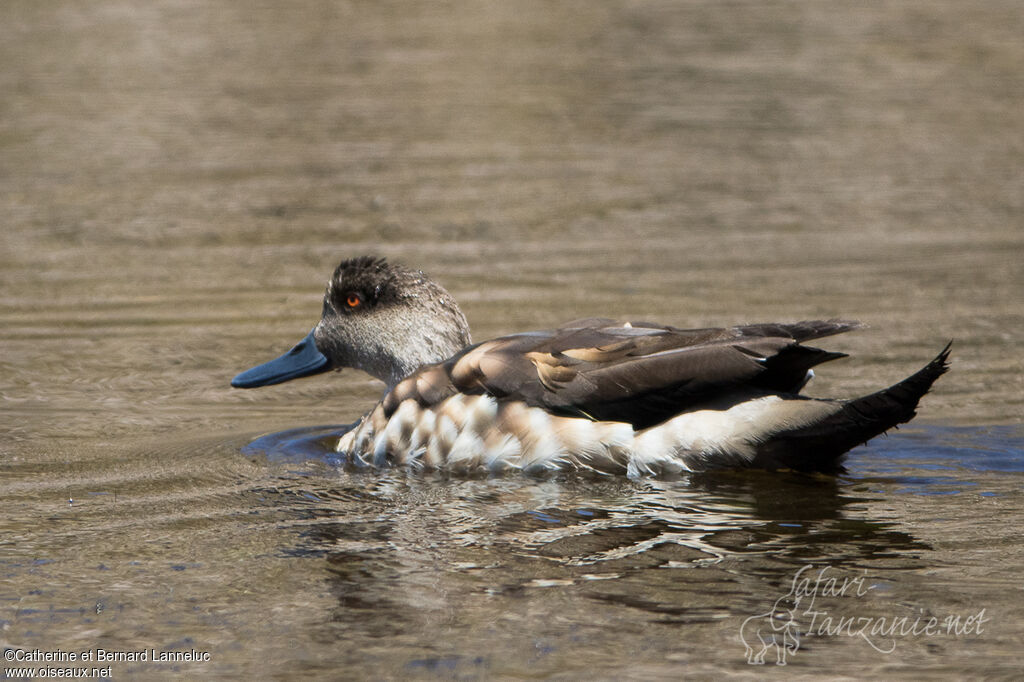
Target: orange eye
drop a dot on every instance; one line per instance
(354, 300)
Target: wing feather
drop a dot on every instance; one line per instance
(634, 372)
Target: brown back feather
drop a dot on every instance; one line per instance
(641, 374)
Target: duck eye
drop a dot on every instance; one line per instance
(353, 300)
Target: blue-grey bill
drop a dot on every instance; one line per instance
(304, 360)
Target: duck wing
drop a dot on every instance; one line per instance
(634, 372)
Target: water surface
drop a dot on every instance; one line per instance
(178, 180)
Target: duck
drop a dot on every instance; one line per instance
(597, 395)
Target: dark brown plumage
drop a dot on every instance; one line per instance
(821, 445)
(641, 373)
(609, 396)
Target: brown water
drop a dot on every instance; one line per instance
(178, 179)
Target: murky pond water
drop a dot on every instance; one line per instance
(177, 181)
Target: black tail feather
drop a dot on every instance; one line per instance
(821, 446)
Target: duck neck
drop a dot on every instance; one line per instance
(401, 354)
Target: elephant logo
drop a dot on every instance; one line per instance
(775, 628)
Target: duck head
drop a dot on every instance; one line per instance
(379, 317)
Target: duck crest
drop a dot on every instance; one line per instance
(596, 394)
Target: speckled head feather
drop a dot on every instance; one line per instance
(373, 317)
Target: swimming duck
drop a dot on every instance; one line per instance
(613, 397)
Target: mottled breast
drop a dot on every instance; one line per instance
(463, 433)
